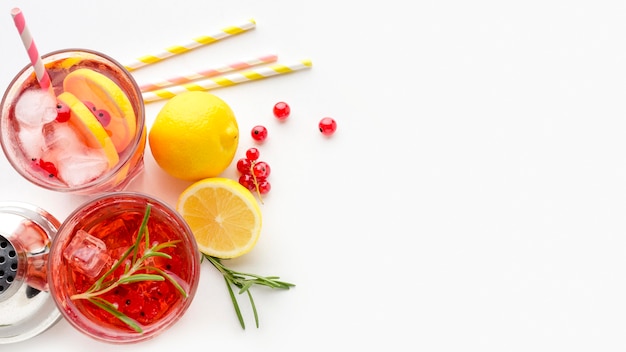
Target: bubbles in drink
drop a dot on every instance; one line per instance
(86, 253)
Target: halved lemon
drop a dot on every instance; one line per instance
(89, 128)
(94, 87)
(224, 216)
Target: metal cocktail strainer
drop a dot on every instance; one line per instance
(26, 308)
(8, 264)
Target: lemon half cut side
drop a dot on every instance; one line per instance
(223, 215)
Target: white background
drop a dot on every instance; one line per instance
(473, 197)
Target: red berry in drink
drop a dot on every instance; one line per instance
(103, 116)
(63, 112)
(282, 110)
(259, 133)
(48, 167)
(252, 154)
(327, 126)
(91, 106)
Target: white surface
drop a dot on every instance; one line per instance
(473, 197)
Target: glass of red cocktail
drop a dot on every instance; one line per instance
(123, 267)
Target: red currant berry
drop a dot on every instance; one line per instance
(247, 181)
(63, 112)
(259, 133)
(282, 110)
(243, 165)
(328, 126)
(252, 154)
(264, 187)
(261, 169)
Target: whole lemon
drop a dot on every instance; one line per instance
(194, 136)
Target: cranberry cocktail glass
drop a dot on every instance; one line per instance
(86, 135)
(123, 267)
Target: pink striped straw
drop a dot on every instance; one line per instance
(210, 72)
(31, 48)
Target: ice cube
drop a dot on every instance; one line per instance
(86, 253)
(61, 139)
(62, 136)
(32, 141)
(79, 168)
(35, 107)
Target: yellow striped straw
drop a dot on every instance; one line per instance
(227, 80)
(193, 44)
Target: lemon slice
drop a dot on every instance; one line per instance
(94, 87)
(224, 216)
(89, 128)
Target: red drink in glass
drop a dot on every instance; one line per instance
(87, 136)
(91, 242)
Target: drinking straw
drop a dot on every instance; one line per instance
(31, 48)
(227, 80)
(193, 44)
(211, 72)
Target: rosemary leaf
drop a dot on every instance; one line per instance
(163, 245)
(245, 287)
(105, 305)
(157, 254)
(235, 304)
(140, 277)
(140, 234)
(256, 315)
(170, 279)
(244, 282)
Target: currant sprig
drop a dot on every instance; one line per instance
(244, 281)
(254, 173)
(135, 271)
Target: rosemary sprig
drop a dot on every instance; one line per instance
(244, 281)
(131, 273)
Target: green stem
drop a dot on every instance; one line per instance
(243, 282)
